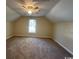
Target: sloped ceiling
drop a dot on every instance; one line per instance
(11, 15)
(63, 11)
(44, 5)
(59, 10)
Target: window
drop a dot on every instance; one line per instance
(32, 26)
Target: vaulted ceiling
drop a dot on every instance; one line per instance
(44, 6)
(11, 14)
(63, 11)
(54, 10)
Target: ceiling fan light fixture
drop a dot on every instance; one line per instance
(30, 12)
(31, 8)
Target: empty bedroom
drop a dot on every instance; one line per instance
(39, 29)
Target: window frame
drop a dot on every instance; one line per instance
(34, 26)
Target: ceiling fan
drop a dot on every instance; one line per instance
(29, 6)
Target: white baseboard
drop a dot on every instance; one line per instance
(34, 36)
(64, 47)
(9, 36)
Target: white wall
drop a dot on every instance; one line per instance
(63, 34)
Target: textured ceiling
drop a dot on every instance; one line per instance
(45, 6)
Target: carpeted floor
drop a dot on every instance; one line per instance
(34, 48)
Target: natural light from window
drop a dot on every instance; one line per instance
(32, 26)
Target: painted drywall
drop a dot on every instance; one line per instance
(9, 29)
(44, 7)
(63, 11)
(43, 27)
(11, 15)
(63, 34)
